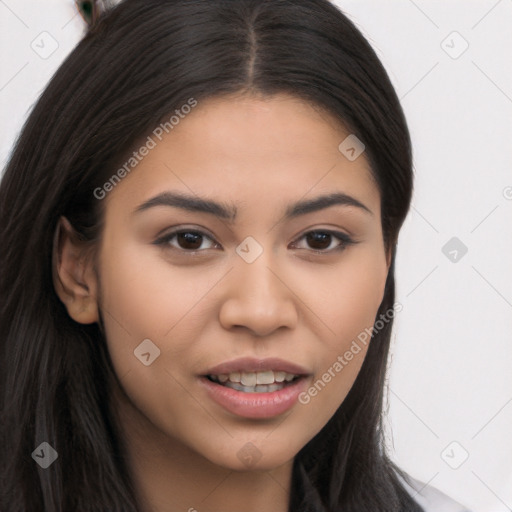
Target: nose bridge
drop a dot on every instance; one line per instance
(257, 284)
(257, 298)
(252, 265)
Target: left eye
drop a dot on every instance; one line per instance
(326, 241)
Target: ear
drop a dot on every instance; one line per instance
(74, 277)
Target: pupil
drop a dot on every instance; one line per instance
(189, 238)
(323, 238)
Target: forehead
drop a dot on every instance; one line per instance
(237, 147)
(277, 126)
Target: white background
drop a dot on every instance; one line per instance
(450, 381)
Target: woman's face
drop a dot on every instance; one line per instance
(269, 283)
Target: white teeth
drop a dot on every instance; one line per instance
(262, 388)
(248, 379)
(279, 376)
(265, 377)
(252, 379)
(234, 376)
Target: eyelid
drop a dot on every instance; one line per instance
(170, 230)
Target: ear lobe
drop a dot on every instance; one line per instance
(74, 277)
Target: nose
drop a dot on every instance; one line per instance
(258, 298)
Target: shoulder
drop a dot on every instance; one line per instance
(430, 498)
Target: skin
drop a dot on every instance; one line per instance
(200, 310)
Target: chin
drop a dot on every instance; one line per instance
(246, 456)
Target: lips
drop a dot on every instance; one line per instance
(255, 388)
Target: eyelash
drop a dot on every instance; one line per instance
(345, 240)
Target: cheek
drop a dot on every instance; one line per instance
(363, 290)
(144, 297)
(346, 300)
(348, 306)
(149, 295)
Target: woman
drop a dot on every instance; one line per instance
(198, 231)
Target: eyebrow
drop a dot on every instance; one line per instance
(229, 212)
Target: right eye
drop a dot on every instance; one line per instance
(186, 240)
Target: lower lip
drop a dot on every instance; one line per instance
(255, 405)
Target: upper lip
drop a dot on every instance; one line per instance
(251, 364)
